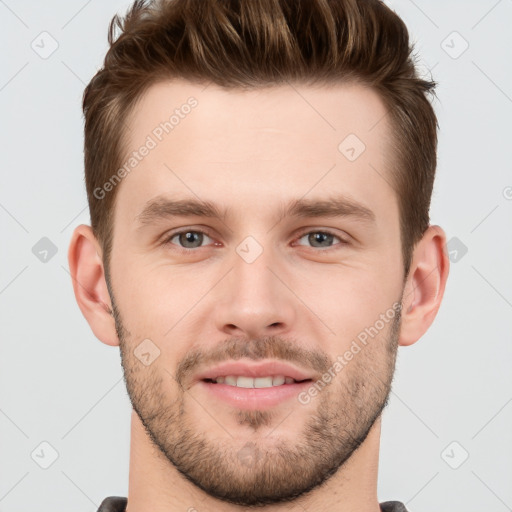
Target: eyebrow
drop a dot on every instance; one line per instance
(160, 208)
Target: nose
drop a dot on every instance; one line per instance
(254, 300)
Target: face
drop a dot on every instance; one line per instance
(255, 242)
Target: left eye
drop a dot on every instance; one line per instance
(319, 239)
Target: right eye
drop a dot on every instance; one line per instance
(187, 239)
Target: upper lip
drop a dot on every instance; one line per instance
(254, 370)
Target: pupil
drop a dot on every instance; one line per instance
(320, 237)
(190, 236)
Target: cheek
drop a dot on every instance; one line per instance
(165, 296)
(163, 301)
(349, 300)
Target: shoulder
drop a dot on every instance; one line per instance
(392, 506)
(113, 504)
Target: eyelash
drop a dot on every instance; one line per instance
(167, 239)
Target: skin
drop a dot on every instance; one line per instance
(253, 152)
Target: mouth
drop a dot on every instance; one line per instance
(242, 381)
(253, 386)
(247, 373)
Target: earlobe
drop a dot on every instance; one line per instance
(425, 285)
(89, 285)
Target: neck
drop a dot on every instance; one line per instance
(156, 485)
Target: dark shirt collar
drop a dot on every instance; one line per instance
(118, 504)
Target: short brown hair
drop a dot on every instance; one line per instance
(251, 43)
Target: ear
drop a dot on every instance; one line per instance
(89, 285)
(425, 285)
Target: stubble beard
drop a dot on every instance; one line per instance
(249, 466)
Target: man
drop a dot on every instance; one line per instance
(259, 177)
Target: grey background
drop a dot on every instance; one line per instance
(60, 385)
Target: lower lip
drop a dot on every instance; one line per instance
(255, 398)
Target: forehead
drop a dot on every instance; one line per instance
(243, 146)
(323, 112)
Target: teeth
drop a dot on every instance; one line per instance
(278, 380)
(258, 382)
(230, 380)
